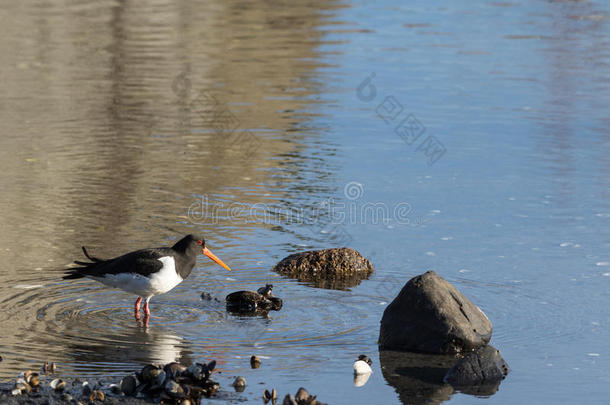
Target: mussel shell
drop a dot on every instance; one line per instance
(276, 303)
(289, 400)
(174, 369)
(128, 385)
(97, 395)
(192, 391)
(34, 380)
(173, 389)
(210, 388)
(255, 362)
(200, 372)
(302, 395)
(86, 389)
(149, 373)
(23, 387)
(58, 384)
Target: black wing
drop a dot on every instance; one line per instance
(143, 262)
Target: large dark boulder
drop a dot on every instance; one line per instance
(478, 372)
(339, 268)
(430, 315)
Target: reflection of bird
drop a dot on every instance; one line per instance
(146, 272)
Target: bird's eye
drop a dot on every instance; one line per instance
(200, 242)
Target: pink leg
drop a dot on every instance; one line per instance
(137, 308)
(146, 309)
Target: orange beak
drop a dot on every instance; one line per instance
(212, 256)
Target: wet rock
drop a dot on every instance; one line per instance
(339, 268)
(255, 362)
(430, 315)
(478, 372)
(252, 302)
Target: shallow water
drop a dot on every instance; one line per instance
(270, 128)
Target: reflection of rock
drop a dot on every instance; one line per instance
(329, 268)
(430, 315)
(417, 377)
(479, 372)
(252, 302)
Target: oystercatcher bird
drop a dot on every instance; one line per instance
(146, 272)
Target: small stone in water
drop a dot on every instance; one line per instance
(115, 388)
(239, 384)
(255, 362)
(66, 397)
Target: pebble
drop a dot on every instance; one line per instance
(239, 384)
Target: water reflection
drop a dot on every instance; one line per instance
(136, 345)
(417, 378)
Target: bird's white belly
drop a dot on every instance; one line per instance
(158, 283)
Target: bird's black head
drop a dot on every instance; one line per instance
(191, 244)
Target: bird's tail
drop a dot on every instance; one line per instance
(80, 272)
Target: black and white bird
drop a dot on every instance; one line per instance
(362, 370)
(146, 272)
(362, 365)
